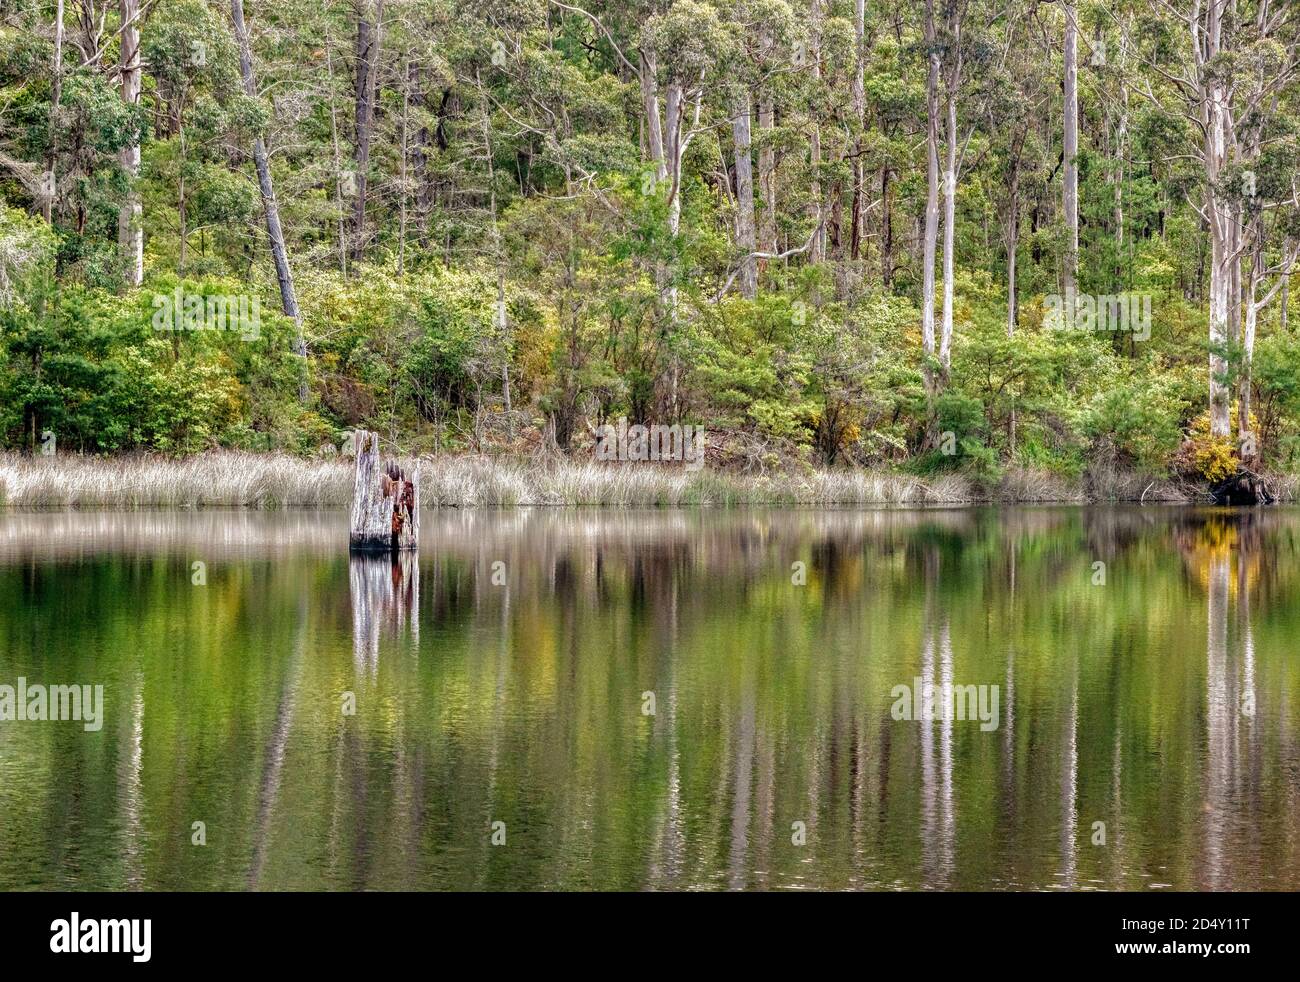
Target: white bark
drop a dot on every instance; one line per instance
(1070, 190)
(856, 210)
(130, 232)
(1215, 125)
(1013, 243)
(952, 88)
(817, 252)
(767, 174)
(745, 237)
(931, 233)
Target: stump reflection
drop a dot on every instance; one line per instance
(385, 599)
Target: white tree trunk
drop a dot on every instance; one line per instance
(1070, 190)
(859, 100)
(817, 252)
(1214, 115)
(767, 174)
(130, 231)
(931, 233)
(1220, 282)
(1013, 242)
(1244, 429)
(745, 240)
(949, 227)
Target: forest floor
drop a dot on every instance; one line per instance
(236, 479)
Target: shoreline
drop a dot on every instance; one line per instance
(235, 479)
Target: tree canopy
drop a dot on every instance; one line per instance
(881, 233)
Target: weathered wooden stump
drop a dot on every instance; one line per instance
(385, 502)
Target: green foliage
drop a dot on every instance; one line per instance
(515, 257)
(1139, 417)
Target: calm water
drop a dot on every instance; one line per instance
(1164, 702)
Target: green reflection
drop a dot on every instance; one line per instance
(1162, 702)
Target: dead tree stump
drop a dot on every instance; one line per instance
(385, 502)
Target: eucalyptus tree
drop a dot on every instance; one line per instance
(1070, 145)
(1223, 68)
(130, 232)
(956, 43)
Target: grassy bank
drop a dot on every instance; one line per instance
(279, 481)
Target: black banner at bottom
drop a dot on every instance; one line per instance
(170, 931)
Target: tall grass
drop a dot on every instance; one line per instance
(472, 481)
(235, 479)
(218, 479)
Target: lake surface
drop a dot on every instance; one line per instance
(657, 700)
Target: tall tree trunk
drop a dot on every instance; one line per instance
(1234, 274)
(420, 156)
(369, 40)
(340, 218)
(859, 117)
(130, 232)
(1244, 429)
(817, 252)
(279, 254)
(886, 230)
(1013, 242)
(406, 115)
(1219, 214)
(1070, 190)
(647, 73)
(767, 174)
(503, 331)
(662, 136)
(49, 183)
(1286, 286)
(745, 235)
(1121, 147)
(931, 234)
(182, 216)
(950, 201)
(498, 256)
(1220, 289)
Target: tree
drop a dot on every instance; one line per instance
(130, 233)
(1070, 149)
(1224, 65)
(270, 207)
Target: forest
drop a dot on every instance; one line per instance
(921, 236)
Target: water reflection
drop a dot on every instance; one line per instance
(1224, 551)
(385, 591)
(770, 759)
